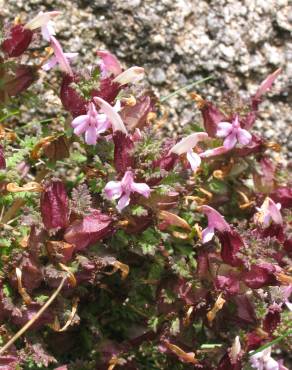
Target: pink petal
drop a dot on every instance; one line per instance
(223, 129)
(113, 190)
(267, 83)
(230, 141)
(78, 120)
(207, 234)
(244, 137)
(131, 75)
(61, 58)
(127, 181)
(71, 55)
(215, 219)
(112, 115)
(214, 152)
(50, 64)
(188, 143)
(103, 126)
(48, 30)
(41, 19)
(91, 135)
(123, 202)
(194, 160)
(141, 188)
(275, 212)
(81, 128)
(110, 62)
(266, 219)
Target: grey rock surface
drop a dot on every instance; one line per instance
(180, 41)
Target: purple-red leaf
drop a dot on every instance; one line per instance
(23, 77)
(260, 275)
(272, 319)
(55, 205)
(2, 158)
(89, 230)
(229, 284)
(231, 243)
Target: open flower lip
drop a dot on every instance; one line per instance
(122, 190)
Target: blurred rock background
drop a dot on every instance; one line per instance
(180, 41)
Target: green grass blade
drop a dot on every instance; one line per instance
(8, 115)
(187, 87)
(275, 341)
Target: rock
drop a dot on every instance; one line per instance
(157, 76)
(129, 4)
(178, 41)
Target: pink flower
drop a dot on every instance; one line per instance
(52, 62)
(109, 64)
(43, 21)
(215, 222)
(269, 212)
(287, 291)
(263, 360)
(235, 351)
(267, 84)
(186, 145)
(60, 57)
(233, 133)
(214, 152)
(92, 124)
(123, 189)
(131, 75)
(112, 115)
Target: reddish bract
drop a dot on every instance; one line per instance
(123, 156)
(70, 98)
(18, 40)
(211, 117)
(283, 195)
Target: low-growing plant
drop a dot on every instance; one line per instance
(123, 247)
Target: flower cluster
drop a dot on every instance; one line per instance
(124, 249)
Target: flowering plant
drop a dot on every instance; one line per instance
(123, 249)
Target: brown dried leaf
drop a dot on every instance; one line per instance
(216, 308)
(35, 153)
(30, 187)
(188, 357)
(174, 220)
